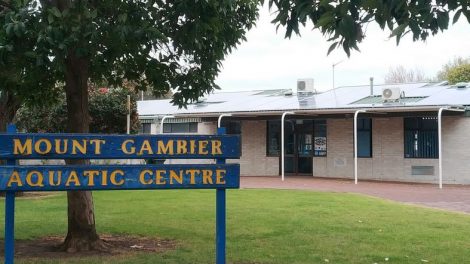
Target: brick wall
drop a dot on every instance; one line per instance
(254, 161)
(387, 162)
(456, 150)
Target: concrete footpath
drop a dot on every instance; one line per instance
(451, 197)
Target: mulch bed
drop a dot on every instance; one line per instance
(47, 247)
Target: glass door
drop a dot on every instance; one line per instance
(298, 142)
(304, 135)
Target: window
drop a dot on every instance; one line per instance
(364, 138)
(232, 127)
(421, 137)
(180, 127)
(146, 128)
(319, 132)
(273, 144)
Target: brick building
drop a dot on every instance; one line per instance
(399, 129)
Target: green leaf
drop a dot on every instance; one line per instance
(56, 12)
(16, 29)
(50, 18)
(398, 31)
(346, 49)
(347, 26)
(122, 17)
(94, 13)
(457, 16)
(467, 15)
(325, 19)
(332, 47)
(9, 28)
(442, 20)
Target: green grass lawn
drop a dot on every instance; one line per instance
(264, 226)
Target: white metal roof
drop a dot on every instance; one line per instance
(339, 100)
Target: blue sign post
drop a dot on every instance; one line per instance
(10, 214)
(219, 176)
(220, 225)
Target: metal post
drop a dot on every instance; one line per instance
(220, 216)
(10, 214)
(333, 66)
(439, 136)
(333, 86)
(355, 143)
(282, 142)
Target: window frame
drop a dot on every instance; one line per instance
(231, 126)
(143, 131)
(268, 154)
(362, 129)
(419, 128)
(192, 128)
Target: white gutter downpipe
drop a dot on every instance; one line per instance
(355, 143)
(219, 121)
(439, 131)
(163, 120)
(282, 142)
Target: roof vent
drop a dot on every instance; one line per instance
(461, 85)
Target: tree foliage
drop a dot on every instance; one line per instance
(22, 78)
(343, 22)
(442, 75)
(400, 74)
(154, 44)
(108, 111)
(459, 73)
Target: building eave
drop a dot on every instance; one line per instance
(317, 111)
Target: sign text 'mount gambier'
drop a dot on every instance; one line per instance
(112, 177)
(79, 146)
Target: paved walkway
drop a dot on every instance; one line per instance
(453, 197)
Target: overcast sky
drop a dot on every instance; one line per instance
(268, 61)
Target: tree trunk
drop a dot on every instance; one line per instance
(81, 234)
(9, 104)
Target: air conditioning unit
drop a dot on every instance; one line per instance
(305, 86)
(391, 94)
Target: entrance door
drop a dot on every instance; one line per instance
(299, 147)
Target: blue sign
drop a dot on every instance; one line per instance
(112, 177)
(220, 176)
(94, 146)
